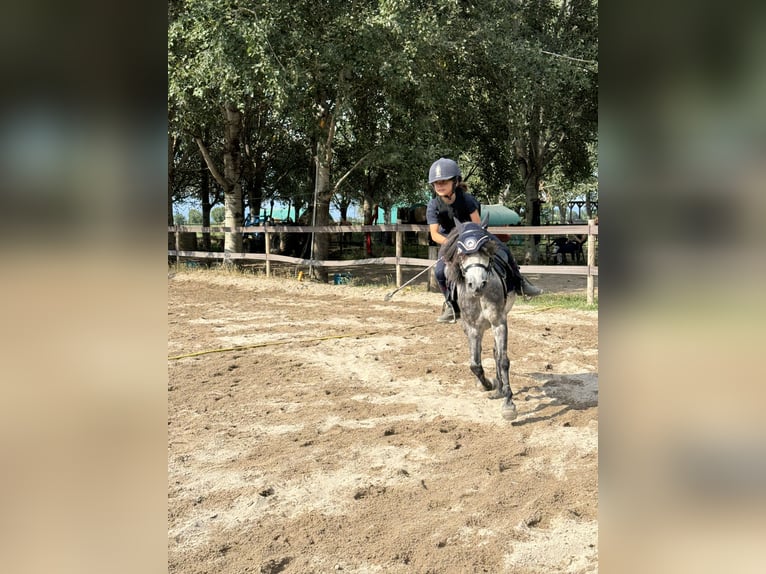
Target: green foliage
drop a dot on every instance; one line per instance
(507, 87)
(217, 215)
(195, 217)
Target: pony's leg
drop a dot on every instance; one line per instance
(474, 345)
(502, 366)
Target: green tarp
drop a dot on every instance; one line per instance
(500, 215)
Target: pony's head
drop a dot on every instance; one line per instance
(468, 254)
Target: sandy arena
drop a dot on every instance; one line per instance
(317, 428)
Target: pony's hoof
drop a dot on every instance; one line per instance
(497, 394)
(509, 412)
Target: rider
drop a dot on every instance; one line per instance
(452, 200)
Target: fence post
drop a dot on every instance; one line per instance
(267, 236)
(178, 247)
(433, 284)
(399, 243)
(591, 261)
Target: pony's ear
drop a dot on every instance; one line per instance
(458, 224)
(485, 221)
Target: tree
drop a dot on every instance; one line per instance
(351, 102)
(560, 113)
(215, 63)
(534, 80)
(195, 217)
(353, 75)
(218, 215)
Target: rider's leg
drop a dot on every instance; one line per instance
(521, 284)
(450, 309)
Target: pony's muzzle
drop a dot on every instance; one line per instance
(475, 277)
(476, 286)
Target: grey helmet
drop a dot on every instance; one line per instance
(442, 169)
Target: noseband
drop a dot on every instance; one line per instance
(480, 265)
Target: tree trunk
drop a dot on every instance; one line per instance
(205, 201)
(297, 208)
(530, 157)
(171, 175)
(532, 193)
(531, 205)
(369, 209)
(562, 212)
(388, 236)
(255, 185)
(229, 180)
(343, 209)
(231, 172)
(323, 194)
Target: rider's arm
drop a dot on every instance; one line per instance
(435, 235)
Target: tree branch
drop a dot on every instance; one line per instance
(273, 53)
(345, 175)
(594, 62)
(210, 164)
(549, 151)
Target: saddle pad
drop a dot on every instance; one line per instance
(503, 269)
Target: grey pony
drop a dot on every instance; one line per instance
(476, 269)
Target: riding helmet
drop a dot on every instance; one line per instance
(442, 169)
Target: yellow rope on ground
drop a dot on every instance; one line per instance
(538, 309)
(315, 339)
(283, 342)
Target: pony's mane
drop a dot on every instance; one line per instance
(449, 251)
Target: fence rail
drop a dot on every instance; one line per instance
(590, 270)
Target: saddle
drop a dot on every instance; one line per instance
(502, 267)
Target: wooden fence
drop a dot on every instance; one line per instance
(589, 270)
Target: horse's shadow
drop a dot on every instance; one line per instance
(574, 392)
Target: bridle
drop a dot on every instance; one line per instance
(470, 247)
(485, 266)
(474, 255)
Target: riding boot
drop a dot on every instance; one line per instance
(450, 312)
(526, 288)
(520, 284)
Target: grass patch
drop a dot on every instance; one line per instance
(578, 301)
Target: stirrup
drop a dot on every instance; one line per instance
(449, 314)
(526, 288)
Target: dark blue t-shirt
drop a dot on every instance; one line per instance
(461, 209)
